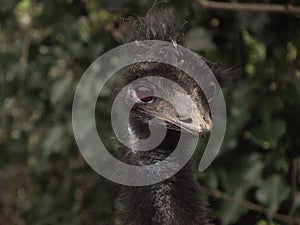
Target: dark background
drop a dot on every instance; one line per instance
(45, 47)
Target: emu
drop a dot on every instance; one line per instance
(174, 201)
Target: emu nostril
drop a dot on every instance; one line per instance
(188, 120)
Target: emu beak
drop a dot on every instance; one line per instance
(195, 124)
(194, 121)
(188, 118)
(192, 117)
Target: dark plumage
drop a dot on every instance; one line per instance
(174, 201)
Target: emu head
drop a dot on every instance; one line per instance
(189, 114)
(193, 115)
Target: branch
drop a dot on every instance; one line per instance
(250, 7)
(249, 205)
(25, 49)
(24, 57)
(294, 175)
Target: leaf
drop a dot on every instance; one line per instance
(245, 175)
(55, 140)
(268, 134)
(199, 39)
(242, 101)
(272, 192)
(230, 212)
(60, 90)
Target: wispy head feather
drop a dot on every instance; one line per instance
(158, 24)
(161, 24)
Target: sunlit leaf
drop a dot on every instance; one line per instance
(198, 39)
(272, 191)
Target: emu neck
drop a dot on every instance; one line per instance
(174, 201)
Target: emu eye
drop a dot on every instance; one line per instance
(144, 94)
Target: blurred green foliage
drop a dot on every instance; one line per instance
(45, 46)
